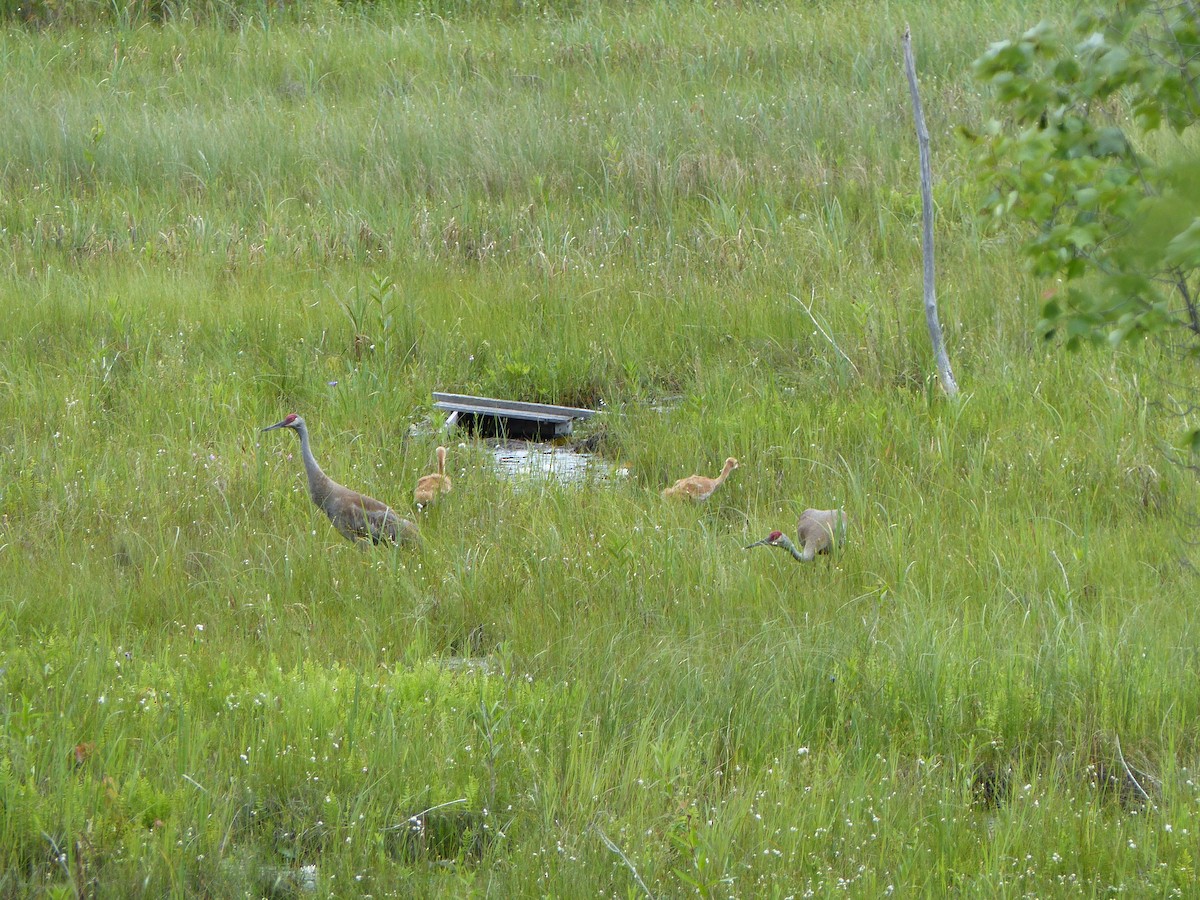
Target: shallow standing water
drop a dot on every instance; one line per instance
(524, 460)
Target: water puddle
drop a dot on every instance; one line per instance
(527, 461)
(667, 403)
(484, 665)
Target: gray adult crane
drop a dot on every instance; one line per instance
(356, 516)
(818, 530)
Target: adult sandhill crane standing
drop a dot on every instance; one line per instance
(430, 487)
(357, 516)
(818, 529)
(699, 487)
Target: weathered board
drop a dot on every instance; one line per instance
(509, 418)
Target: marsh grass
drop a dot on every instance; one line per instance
(207, 223)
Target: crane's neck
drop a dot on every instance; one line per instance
(441, 458)
(724, 474)
(787, 545)
(318, 482)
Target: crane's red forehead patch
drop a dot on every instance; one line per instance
(774, 535)
(291, 417)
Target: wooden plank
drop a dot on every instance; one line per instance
(515, 418)
(511, 408)
(500, 412)
(512, 426)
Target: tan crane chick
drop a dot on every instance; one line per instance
(819, 530)
(699, 487)
(431, 487)
(356, 516)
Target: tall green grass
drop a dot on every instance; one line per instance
(671, 211)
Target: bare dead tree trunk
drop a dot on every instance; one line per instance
(949, 385)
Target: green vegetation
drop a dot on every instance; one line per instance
(1119, 225)
(205, 225)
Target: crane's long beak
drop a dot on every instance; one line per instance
(755, 544)
(276, 425)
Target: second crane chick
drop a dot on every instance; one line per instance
(431, 487)
(699, 487)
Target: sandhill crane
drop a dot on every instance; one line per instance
(818, 530)
(699, 487)
(357, 516)
(430, 487)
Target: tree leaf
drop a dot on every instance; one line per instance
(1184, 249)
